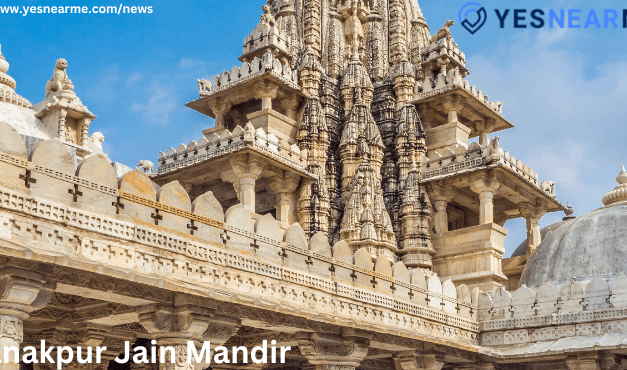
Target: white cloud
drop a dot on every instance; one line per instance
(569, 125)
(105, 85)
(133, 78)
(191, 63)
(161, 103)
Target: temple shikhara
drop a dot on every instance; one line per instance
(349, 202)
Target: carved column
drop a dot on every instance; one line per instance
(412, 360)
(486, 187)
(220, 108)
(175, 326)
(583, 361)
(243, 172)
(84, 131)
(333, 352)
(290, 105)
(532, 215)
(441, 195)
(484, 128)
(72, 336)
(23, 291)
(452, 105)
(266, 91)
(284, 187)
(62, 118)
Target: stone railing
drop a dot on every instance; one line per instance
(199, 241)
(265, 36)
(445, 48)
(228, 142)
(8, 94)
(457, 159)
(582, 307)
(257, 67)
(451, 81)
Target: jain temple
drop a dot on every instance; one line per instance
(349, 203)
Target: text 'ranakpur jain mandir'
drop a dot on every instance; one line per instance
(349, 203)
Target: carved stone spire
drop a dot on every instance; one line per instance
(311, 72)
(360, 126)
(410, 140)
(398, 30)
(311, 26)
(404, 74)
(366, 222)
(356, 77)
(415, 215)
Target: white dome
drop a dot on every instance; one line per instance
(592, 244)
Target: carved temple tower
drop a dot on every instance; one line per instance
(350, 118)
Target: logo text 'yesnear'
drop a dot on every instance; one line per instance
(472, 16)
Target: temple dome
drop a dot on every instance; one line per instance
(592, 244)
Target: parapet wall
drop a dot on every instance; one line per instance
(46, 199)
(578, 308)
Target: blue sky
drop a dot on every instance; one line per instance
(564, 89)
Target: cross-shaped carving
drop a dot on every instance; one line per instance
(332, 270)
(75, 193)
(28, 179)
(191, 227)
(118, 205)
(411, 294)
(584, 304)
(225, 238)
(353, 275)
(157, 217)
(283, 253)
(254, 246)
(374, 282)
(309, 261)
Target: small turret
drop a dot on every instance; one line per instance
(7, 86)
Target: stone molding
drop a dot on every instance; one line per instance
(144, 235)
(446, 326)
(230, 142)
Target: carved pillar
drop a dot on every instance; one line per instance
(484, 128)
(72, 336)
(452, 105)
(220, 108)
(175, 326)
(243, 172)
(266, 91)
(284, 187)
(441, 195)
(62, 118)
(583, 361)
(412, 360)
(23, 291)
(425, 113)
(486, 187)
(290, 105)
(84, 131)
(331, 352)
(532, 215)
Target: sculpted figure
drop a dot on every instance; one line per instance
(443, 32)
(497, 106)
(267, 17)
(146, 166)
(59, 77)
(97, 138)
(204, 86)
(548, 187)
